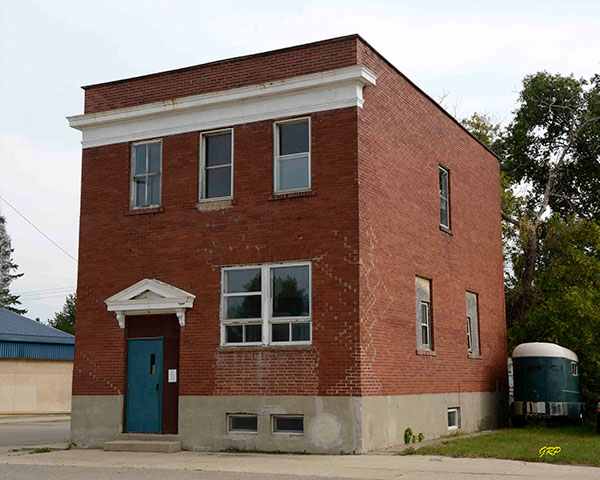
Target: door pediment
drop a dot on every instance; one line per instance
(149, 297)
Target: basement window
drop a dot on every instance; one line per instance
(242, 423)
(288, 424)
(453, 420)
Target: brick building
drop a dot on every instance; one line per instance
(296, 250)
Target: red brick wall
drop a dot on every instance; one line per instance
(390, 149)
(186, 248)
(403, 137)
(224, 74)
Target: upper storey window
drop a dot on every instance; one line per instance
(146, 166)
(444, 197)
(292, 155)
(216, 165)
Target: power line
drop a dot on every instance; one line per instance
(33, 299)
(30, 223)
(71, 287)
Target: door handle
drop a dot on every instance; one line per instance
(157, 387)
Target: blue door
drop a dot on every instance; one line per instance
(144, 385)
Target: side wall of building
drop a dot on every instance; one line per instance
(403, 138)
(35, 386)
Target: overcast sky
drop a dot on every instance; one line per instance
(476, 52)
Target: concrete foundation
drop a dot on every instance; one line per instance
(331, 424)
(96, 419)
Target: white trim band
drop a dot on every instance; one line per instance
(278, 99)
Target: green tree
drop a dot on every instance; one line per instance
(7, 272)
(65, 319)
(549, 152)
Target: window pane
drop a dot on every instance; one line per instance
(218, 182)
(244, 307)
(443, 183)
(234, 333)
(289, 424)
(280, 332)
(245, 280)
(444, 212)
(253, 333)
(140, 158)
(154, 157)
(218, 149)
(424, 314)
(140, 192)
(243, 423)
(291, 296)
(154, 190)
(293, 138)
(300, 332)
(424, 335)
(293, 173)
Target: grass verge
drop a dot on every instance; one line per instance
(578, 445)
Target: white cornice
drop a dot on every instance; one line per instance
(282, 98)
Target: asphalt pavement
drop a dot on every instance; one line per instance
(17, 462)
(33, 434)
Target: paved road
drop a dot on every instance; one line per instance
(97, 464)
(29, 472)
(33, 434)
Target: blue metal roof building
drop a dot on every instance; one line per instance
(21, 337)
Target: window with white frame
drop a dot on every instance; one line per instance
(287, 424)
(444, 197)
(266, 304)
(472, 304)
(574, 369)
(216, 165)
(424, 325)
(453, 419)
(146, 165)
(242, 423)
(292, 155)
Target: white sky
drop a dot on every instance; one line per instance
(477, 51)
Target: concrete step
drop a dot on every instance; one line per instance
(160, 446)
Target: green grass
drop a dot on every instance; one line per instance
(579, 445)
(42, 450)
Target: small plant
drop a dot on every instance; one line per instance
(408, 434)
(42, 450)
(408, 451)
(410, 437)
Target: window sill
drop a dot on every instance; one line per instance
(445, 230)
(265, 348)
(473, 356)
(144, 211)
(290, 195)
(208, 205)
(426, 353)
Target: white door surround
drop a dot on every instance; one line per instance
(150, 297)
